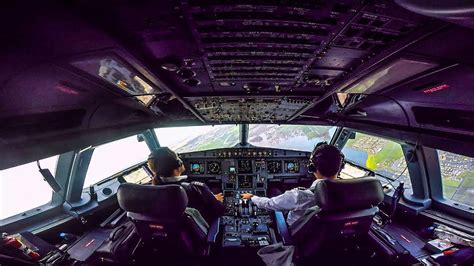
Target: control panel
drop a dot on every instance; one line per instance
(241, 170)
(247, 231)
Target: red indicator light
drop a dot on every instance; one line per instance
(435, 89)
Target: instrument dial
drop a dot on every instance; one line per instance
(214, 168)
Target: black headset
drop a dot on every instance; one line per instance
(178, 162)
(315, 159)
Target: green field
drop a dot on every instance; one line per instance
(451, 182)
(391, 152)
(448, 192)
(468, 177)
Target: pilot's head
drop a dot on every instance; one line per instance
(326, 161)
(165, 163)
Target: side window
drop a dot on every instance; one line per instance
(457, 175)
(113, 157)
(22, 187)
(383, 156)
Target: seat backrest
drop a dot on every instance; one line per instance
(161, 217)
(346, 209)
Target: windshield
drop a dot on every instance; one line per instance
(22, 188)
(292, 137)
(457, 173)
(198, 138)
(383, 156)
(113, 157)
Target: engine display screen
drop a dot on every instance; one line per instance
(245, 181)
(197, 168)
(292, 167)
(245, 167)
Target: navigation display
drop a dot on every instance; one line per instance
(197, 168)
(292, 167)
(245, 181)
(245, 167)
(274, 167)
(139, 176)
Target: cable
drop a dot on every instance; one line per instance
(390, 181)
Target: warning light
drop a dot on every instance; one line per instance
(435, 89)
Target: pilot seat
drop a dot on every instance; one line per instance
(163, 221)
(341, 219)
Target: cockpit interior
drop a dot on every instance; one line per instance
(243, 92)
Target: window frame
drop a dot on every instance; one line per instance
(436, 188)
(417, 197)
(342, 145)
(77, 195)
(30, 219)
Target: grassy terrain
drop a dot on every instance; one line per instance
(391, 152)
(448, 192)
(468, 177)
(451, 182)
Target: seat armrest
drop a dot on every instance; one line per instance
(282, 228)
(213, 231)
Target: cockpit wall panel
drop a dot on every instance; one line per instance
(441, 101)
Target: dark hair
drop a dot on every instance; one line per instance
(328, 158)
(163, 161)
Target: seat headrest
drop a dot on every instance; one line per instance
(351, 194)
(166, 201)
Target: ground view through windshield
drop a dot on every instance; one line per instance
(378, 154)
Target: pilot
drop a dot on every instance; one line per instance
(325, 163)
(167, 168)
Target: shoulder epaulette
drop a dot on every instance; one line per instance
(197, 183)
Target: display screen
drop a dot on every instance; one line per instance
(232, 170)
(274, 167)
(197, 168)
(139, 176)
(245, 181)
(351, 172)
(292, 167)
(245, 166)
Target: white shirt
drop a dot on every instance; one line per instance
(296, 201)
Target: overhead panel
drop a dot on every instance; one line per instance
(286, 48)
(270, 42)
(249, 109)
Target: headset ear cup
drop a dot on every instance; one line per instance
(343, 161)
(311, 168)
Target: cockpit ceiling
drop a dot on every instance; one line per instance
(258, 48)
(296, 47)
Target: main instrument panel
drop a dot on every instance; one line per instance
(245, 169)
